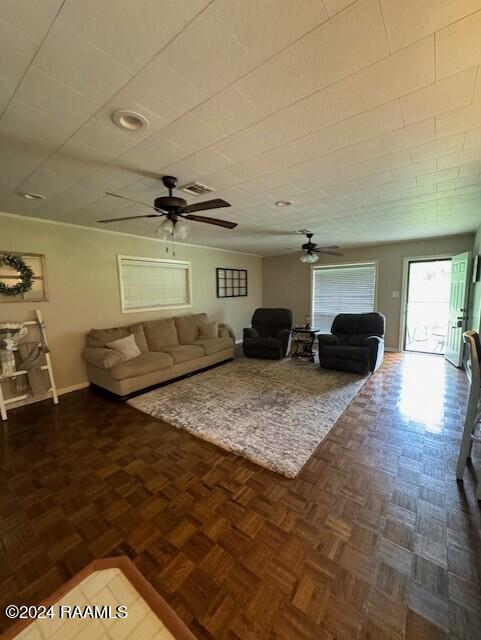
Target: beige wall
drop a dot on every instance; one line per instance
(475, 300)
(287, 280)
(83, 285)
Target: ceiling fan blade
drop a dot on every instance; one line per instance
(217, 203)
(149, 215)
(144, 204)
(333, 247)
(328, 252)
(215, 221)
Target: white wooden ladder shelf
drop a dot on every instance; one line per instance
(38, 326)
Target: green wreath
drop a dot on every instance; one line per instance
(24, 271)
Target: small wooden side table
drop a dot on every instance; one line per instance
(304, 341)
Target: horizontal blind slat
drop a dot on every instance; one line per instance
(343, 289)
(148, 284)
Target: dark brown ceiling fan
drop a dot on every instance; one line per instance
(175, 210)
(310, 250)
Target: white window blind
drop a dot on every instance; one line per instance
(149, 283)
(343, 289)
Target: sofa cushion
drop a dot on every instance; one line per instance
(137, 330)
(100, 337)
(213, 345)
(145, 363)
(188, 327)
(160, 333)
(126, 347)
(209, 330)
(184, 352)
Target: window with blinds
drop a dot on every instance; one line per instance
(150, 283)
(341, 289)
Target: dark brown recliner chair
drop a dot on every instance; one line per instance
(270, 335)
(356, 343)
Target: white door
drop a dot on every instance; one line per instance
(458, 308)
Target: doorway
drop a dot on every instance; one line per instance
(427, 305)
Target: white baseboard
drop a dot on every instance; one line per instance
(391, 349)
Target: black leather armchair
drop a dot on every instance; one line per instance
(270, 335)
(356, 343)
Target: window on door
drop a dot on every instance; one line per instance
(347, 288)
(427, 305)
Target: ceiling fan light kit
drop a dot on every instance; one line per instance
(309, 258)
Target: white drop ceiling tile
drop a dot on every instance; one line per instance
(162, 90)
(206, 161)
(334, 6)
(76, 159)
(284, 177)
(41, 91)
(266, 86)
(409, 136)
(352, 40)
(47, 182)
(438, 148)
(416, 169)
(446, 95)
(151, 155)
(207, 55)
(80, 65)
(252, 23)
(372, 123)
(228, 111)
(16, 53)
(473, 138)
(312, 113)
(34, 127)
(282, 157)
(33, 18)
(284, 192)
(249, 169)
(458, 182)
(190, 133)
(473, 168)
(240, 146)
(221, 179)
(280, 128)
(410, 20)
(459, 120)
(400, 73)
(130, 32)
(439, 176)
(458, 159)
(458, 46)
(108, 141)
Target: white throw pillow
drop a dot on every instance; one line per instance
(209, 330)
(126, 347)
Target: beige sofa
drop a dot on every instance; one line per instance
(170, 347)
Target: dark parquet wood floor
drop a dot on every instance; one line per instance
(374, 539)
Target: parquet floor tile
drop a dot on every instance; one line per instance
(375, 539)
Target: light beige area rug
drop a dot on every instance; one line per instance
(274, 413)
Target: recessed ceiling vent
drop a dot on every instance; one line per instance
(196, 189)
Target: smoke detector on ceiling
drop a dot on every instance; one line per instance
(196, 189)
